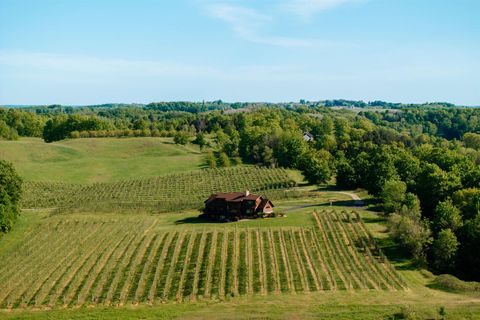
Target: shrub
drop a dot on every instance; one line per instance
(181, 137)
(223, 160)
(211, 160)
(447, 282)
(406, 313)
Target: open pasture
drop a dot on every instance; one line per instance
(72, 260)
(93, 160)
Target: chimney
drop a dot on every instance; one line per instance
(247, 193)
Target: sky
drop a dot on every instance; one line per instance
(77, 52)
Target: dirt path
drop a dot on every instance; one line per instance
(357, 201)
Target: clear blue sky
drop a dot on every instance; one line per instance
(99, 51)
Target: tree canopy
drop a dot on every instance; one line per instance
(10, 193)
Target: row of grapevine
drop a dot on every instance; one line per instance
(116, 262)
(164, 193)
(361, 264)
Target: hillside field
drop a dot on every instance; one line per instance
(170, 192)
(318, 261)
(99, 160)
(83, 260)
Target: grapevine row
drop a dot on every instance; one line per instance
(119, 262)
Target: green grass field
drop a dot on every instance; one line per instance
(99, 160)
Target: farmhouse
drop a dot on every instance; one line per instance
(236, 205)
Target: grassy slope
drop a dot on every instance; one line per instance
(328, 305)
(98, 160)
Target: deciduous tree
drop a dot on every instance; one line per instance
(10, 193)
(444, 249)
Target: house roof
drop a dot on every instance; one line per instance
(232, 197)
(264, 202)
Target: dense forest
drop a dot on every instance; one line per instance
(420, 162)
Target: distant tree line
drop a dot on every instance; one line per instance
(450, 123)
(375, 104)
(15, 123)
(61, 127)
(435, 119)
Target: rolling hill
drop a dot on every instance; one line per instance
(99, 160)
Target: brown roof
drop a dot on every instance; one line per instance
(232, 197)
(264, 203)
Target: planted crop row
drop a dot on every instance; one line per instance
(359, 262)
(164, 193)
(119, 262)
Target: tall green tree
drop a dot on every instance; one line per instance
(317, 166)
(407, 166)
(444, 249)
(393, 195)
(469, 259)
(472, 140)
(447, 216)
(200, 140)
(10, 193)
(346, 176)
(381, 169)
(434, 185)
(410, 230)
(290, 149)
(468, 201)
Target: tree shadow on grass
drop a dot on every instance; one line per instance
(341, 203)
(196, 220)
(396, 254)
(374, 207)
(375, 220)
(303, 184)
(328, 187)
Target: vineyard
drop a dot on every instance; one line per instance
(68, 262)
(164, 193)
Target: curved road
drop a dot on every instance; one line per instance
(357, 200)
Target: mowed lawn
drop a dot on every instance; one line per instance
(99, 160)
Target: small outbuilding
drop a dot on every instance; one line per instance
(236, 205)
(307, 136)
